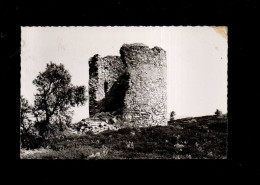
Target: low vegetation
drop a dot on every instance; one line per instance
(206, 137)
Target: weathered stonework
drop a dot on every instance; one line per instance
(132, 86)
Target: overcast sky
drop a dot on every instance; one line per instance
(196, 60)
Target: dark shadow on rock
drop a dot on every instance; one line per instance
(114, 98)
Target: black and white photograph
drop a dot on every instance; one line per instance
(124, 92)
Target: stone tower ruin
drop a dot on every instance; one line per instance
(131, 87)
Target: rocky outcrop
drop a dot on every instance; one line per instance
(95, 126)
(132, 85)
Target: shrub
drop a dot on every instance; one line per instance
(31, 141)
(218, 113)
(172, 116)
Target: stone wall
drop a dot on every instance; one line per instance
(105, 84)
(146, 98)
(133, 85)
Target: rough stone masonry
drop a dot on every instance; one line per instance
(131, 87)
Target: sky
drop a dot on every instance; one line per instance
(196, 61)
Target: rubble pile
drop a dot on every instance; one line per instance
(93, 125)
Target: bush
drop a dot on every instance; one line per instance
(218, 113)
(31, 141)
(172, 116)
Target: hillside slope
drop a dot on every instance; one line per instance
(192, 138)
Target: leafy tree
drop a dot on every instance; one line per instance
(27, 132)
(25, 111)
(172, 115)
(218, 113)
(56, 95)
